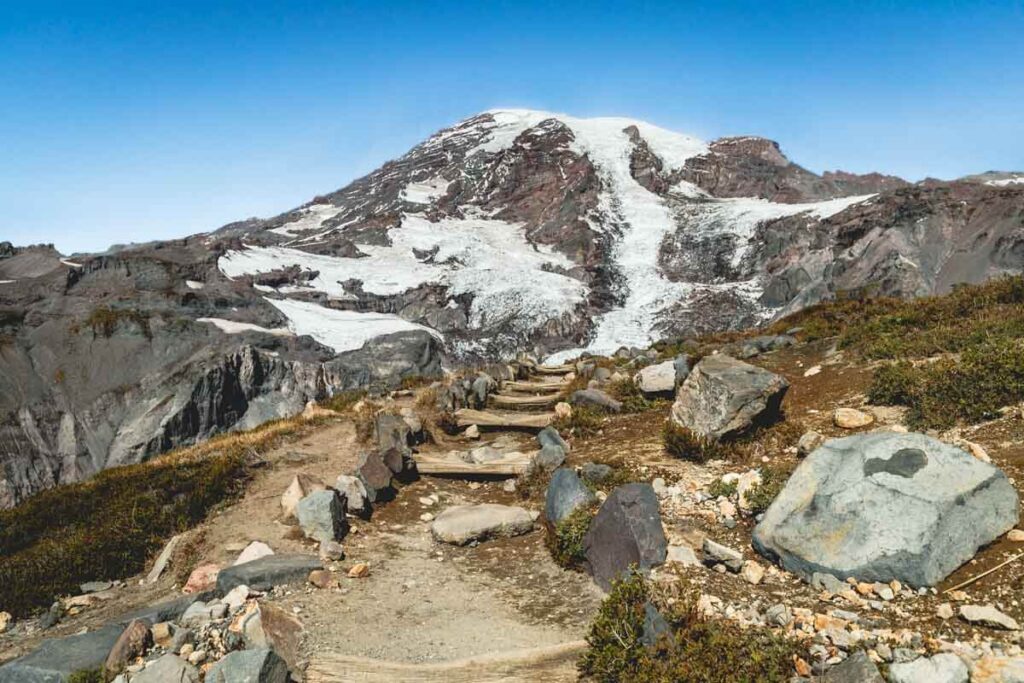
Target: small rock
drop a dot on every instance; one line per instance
(563, 411)
(197, 657)
(472, 432)
(202, 578)
(808, 443)
(745, 486)
(726, 508)
(752, 572)
(849, 418)
(132, 643)
(235, 597)
(332, 550)
(302, 485)
(427, 517)
(595, 472)
(5, 621)
(988, 616)
(682, 554)
(595, 398)
(812, 371)
(162, 633)
(253, 551)
(359, 571)
(321, 515)
(944, 611)
(857, 668)
(549, 458)
(357, 502)
(167, 669)
(715, 553)
(321, 578)
(942, 668)
(462, 524)
(1015, 536)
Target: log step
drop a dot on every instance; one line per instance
(510, 420)
(533, 387)
(512, 466)
(506, 401)
(554, 369)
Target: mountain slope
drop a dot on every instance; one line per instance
(511, 231)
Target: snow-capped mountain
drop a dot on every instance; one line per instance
(511, 231)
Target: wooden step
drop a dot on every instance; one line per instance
(508, 420)
(552, 664)
(554, 369)
(506, 401)
(513, 465)
(534, 387)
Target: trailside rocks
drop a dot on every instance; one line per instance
(249, 666)
(942, 668)
(724, 397)
(168, 669)
(463, 524)
(988, 616)
(322, 515)
(267, 572)
(354, 492)
(549, 436)
(566, 494)
(886, 506)
(857, 668)
(549, 458)
(595, 398)
(626, 531)
(302, 485)
(657, 379)
(58, 658)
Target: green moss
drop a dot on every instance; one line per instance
(697, 650)
(565, 540)
(104, 320)
(87, 676)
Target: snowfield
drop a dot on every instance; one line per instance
(513, 283)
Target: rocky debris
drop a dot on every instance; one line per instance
(724, 397)
(302, 485)
(716, 553)
(755, 346)
(472, 432)
(253, 551)
(595, 398)
(269, 626)
(904, 506)
(357, 502)
(57, 658)
(375, 474)
(595, 472)
(988, 616)
(5, 621)
(322, 516)
(462, 524)
(657, 379)
(1015, 536)
(549, 458)
(993, 669)
(167, 669)
(752, 572)
(267, 572)
(202, 578)
(549, 436)
(850, 418)
(132, 644)
(808, 442)
(942, 668)
(566, 494)
(627, 530)
(682, 554)
(249, 666)
(161, 561)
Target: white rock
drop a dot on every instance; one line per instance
(472, 432)
(812, 371)
(236, 597)
(849, 418)
(462, 524)
(253, 551)
(942, 668)
(988, 616)
(657, 379)
(744, 485)
(752, 572)
(683, 555)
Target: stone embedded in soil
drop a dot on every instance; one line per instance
(942, 668)
(251, 666)
(376, 476)
(626, 531)
(595, 398)
(332, 550)
(321, 578)
(472, 432)
(254, 551)
(1015, 536)
(202, 578)
(988, 616)
(322, 516)
(850, 418)
(464, 524)
(168, 669)
(857, 668)
(549, 458)
(301, 486)
(752, 572)
(808, 443)
(565, 494)
(356, 500)
(682, 554)
(724, 397)
(57, 658)
(883, 506)
(595, 472)
(267, 572)
(549, 436)
(132, 643)
(716, 553)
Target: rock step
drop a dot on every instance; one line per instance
(507, 401)
(503, 419)
(553, 664)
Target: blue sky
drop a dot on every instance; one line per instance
(129, 121)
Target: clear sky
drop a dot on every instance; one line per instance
(130, 121)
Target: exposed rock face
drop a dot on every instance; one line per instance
(723, 397)
(886, 506)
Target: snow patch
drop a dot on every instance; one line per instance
(6, 282)
(341, 330)
(234, 327)
(425, 192)
(194, 284)
(310, 219)
(1006, 182)
(70, 263)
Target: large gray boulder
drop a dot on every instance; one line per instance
(945, 667)
(249, 666)
(626, 531)
(886, 506)
(168, 669)
(657, 379)
(322, 515)
(724, 398)
(566, 494)
(267, 572)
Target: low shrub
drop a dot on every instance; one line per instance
(343, 401)
(627, 392)
(565, 539)
(88, 676)
(683, 443)
(585, 421)
(698, 649)
(894, 384)
(773, 479)
(720, 487)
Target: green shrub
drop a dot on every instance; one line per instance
(761, 495)
(585, 421)
(683, 443)
(698, 650)
(344, 400)
(720, 487)
(87, 676)
(565, 539)
(894, 384)
(628, 393)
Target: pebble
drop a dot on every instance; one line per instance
(850, 418)
(1015, 536)
(359, 571)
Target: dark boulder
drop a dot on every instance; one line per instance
(626, 531)
(566, 494)
(267, 572)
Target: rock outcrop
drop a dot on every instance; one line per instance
(886, 506)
